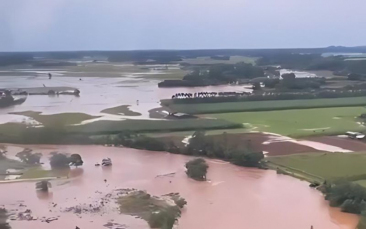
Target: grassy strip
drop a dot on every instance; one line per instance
(302, 175)
(33, 173)
(62, 119)
(208, 108)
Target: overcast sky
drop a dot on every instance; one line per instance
(44, 25)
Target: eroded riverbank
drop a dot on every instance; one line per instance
(242, 197)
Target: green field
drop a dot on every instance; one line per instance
(326, 166)
(301, 122)
(207, 108)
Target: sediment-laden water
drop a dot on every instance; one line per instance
(234, 197)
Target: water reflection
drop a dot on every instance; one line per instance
(76, 172)
(42, 195)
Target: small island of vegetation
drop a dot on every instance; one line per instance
(197, 169)
(159, 212)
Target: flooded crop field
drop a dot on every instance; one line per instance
(247, 196)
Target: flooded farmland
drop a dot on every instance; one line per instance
(97, 93)
(233, 197)
(250, 198)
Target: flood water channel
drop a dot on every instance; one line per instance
(233, 197)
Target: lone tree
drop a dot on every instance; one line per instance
(197, 169)
(246, 157)
(27, 156)
(75, 160)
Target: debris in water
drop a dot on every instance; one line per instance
(166, 175)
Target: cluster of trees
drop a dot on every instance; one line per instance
(199, 145)
(197, 169)
(220, 147)
(27, 156)
(135, 140)
(290, 82)
(349, 196)
(59, 160)
(216, 74)
(288, 60)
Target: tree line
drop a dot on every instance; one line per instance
(57, 160)
(275, 95)
(313, 61)
(216, 74)
(198, 145)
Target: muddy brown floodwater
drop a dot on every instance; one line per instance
(234, 197)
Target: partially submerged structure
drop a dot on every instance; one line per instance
(355, 135)
(106, 162)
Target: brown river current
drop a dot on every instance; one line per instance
(233, 198)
